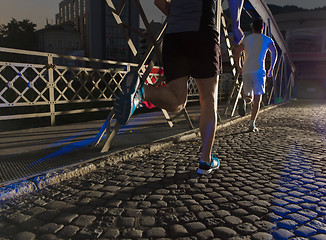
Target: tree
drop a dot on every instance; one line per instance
(18, 34)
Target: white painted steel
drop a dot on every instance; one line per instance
(46, 84)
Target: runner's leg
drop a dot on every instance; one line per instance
(172, 98)
(259, 89)
(208, 89)
(255, 107)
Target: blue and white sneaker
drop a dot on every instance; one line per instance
(131, 96)
(253, 128)
(205, 168)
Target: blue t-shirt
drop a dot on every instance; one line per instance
(192, 15)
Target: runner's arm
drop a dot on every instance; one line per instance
(235, 8)
(237, 56)
(163, 5)
(271, 47)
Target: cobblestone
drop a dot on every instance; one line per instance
(24, 235)
(271, 185)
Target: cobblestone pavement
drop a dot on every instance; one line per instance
(271, 185)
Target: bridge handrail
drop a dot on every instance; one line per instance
(34, 87)
(70, 57)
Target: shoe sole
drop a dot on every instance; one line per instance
(131, 81)
(124, 104)
(121, 107)
(206, 172)
(253, 130)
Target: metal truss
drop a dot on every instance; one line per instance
(45, 85)
(145, 66)
(281, 81)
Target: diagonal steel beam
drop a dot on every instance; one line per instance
(116, 15)
(156, 45)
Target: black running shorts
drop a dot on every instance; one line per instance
(192, 54)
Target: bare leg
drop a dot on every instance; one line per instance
(208, 116)
(172, 98)
(255, 107)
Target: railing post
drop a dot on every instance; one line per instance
(286, 79)
(281, 78)
(51, 88)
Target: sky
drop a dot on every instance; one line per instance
(38, 11)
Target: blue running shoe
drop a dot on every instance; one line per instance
(205, 168)
(131, 96)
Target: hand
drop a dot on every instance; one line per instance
(239, 70)
(163, 5)
(270, 73)
(237, 35)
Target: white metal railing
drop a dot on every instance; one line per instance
(49, 85)
(52, 80)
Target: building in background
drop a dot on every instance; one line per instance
(145, 42)
(61, 39)
(101, 36)
(305, 35)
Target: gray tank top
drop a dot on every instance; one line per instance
(192, 15)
